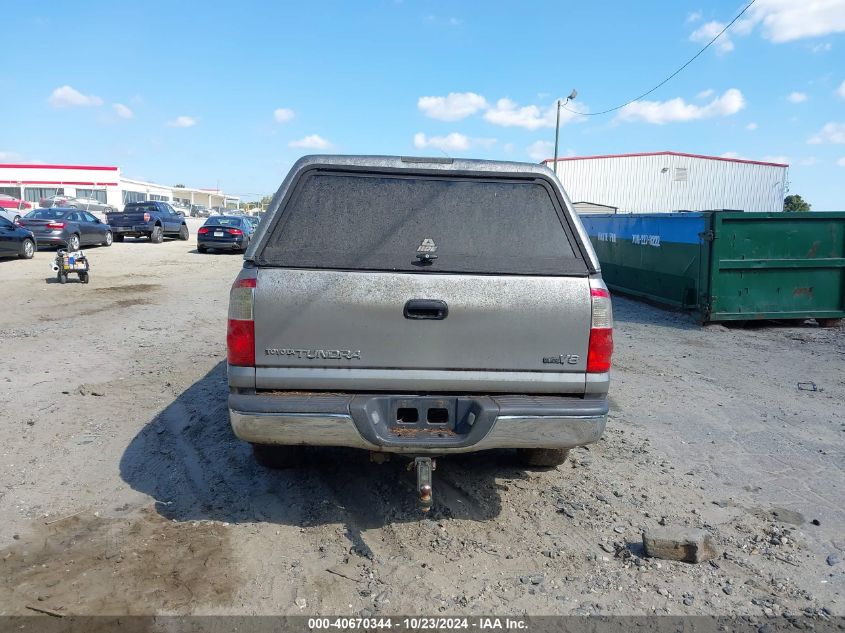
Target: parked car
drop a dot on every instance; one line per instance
(153, 219)
(59, 200)
(425, 307)
(200, 211)
(16, 241)
(92, 204)
(67, 227)
(253, 220)
(181, 209)
(12, 208)
(224, 232)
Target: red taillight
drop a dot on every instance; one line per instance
(240, 337)
(146, 217)
(235, 232)
(240, 343)
(203, 230)
(55, 225)
(601, 332)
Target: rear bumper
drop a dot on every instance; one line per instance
(131, 231)
(234, 245)
(51, 240)
(356, 421)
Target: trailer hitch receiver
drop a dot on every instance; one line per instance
(424, 467)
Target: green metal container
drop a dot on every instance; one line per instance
(727, 265)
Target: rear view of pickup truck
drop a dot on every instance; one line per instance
(419, 306)
(152, 219)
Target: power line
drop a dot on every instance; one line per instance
(670, 77)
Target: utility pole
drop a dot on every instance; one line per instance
(558, 105)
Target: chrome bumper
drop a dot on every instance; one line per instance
(509, 430)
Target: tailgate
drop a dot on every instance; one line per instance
(125, 219)
(492, 323)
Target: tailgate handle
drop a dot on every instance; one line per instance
(426, 309)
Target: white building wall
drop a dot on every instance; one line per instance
(20, 180)
(145, 189)
(657, 183)
(29, 178)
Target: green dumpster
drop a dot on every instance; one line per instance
(727, 265)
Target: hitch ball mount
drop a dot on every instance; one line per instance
(424, 467)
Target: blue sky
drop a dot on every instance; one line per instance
(231, 93)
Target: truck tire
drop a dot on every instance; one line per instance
(119, 237)
(157, 236)
(183, 233)
(546, 457)
(830, 322)
(278, 457)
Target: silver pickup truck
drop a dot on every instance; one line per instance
(421, 306)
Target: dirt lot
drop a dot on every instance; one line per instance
(124, 491)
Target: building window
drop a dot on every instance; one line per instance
(95, 194)
(36, 194)
(155, 196)
(134, 196)
(11, 191)
(681, 174)
(184, 201)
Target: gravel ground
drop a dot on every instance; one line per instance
(123, 490)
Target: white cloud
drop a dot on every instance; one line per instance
(695, 16)
(751, 126)
(797, 97)
(122, 111)
(660, 112)
(312, 141)
(508, 113)
(788, 20)
(841, 162)
(454, 142)
(776, 159)
(283, 115)
(68, 97)
(539, 150)
(833, 133)
(841, 90)
(183, 121)
(708, 31)
(10, 156)
(452, 107)
(823, 47)
(705, 94)
(734, 155)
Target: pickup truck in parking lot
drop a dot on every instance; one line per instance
(419, 306)
(153, 219)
